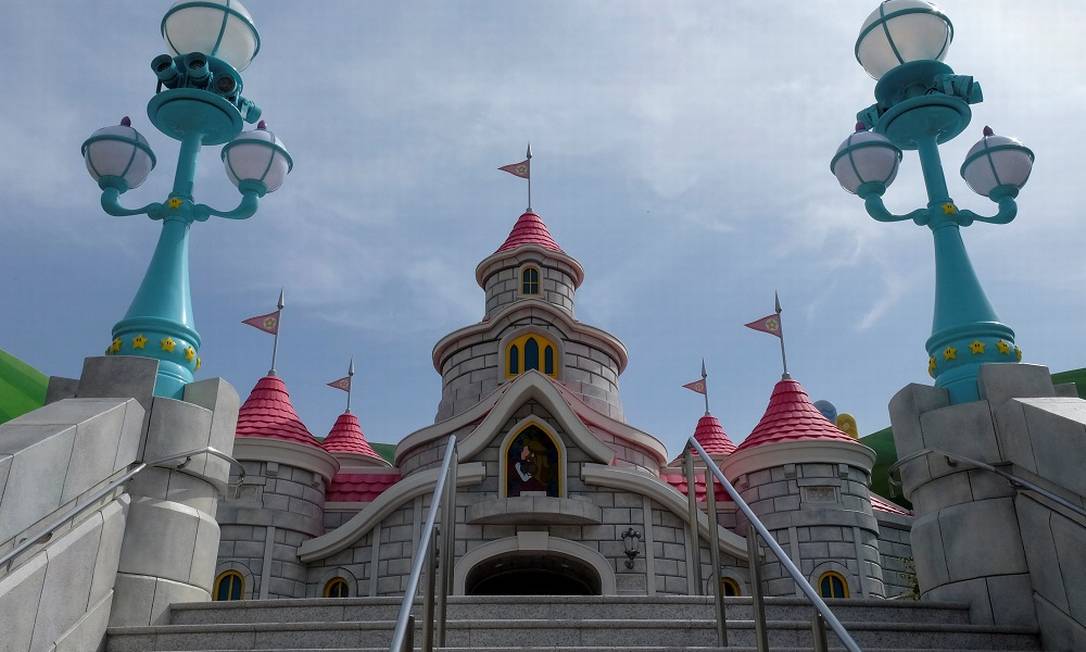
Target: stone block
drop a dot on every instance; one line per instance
(1059, 632)
(928, 552)
(20, 594)
(906, 407)
(133, 596)
(167, 593)
(989, 525)
(66, 591)
(1011, 598)
(177, 427)
(222, 399)
(39, 461)
(998, 383)
(60, 388)
(1070, 541)
(1056, 429)
(946, 429)
(119, 376)
(109, 548)
(94, 450)
(89, 631)
(204, 554)
(160, 538)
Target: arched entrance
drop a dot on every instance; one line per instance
(522, 573)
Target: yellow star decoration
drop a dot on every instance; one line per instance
(139, 341)
(167, 344)
(199, 363)
(1017, 354)
(190, 353)
(1003, 347)
(949, 208)
(977, 347)
(174, 202)
(931, 366)
(950, 353)
(115, 345)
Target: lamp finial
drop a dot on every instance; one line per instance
(126, 121)
(262, 126)
(988, 131)
(860, 127)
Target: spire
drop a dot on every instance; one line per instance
(529, 230)
(710, 434)
(346, 438)
(791, 416)
(268, 412)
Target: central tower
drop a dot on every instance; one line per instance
(530, 286)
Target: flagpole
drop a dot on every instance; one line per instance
(278, 323)
(350, 383)
(705, 382)
(529, 155)
(784, 359)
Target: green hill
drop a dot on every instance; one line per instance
(22, 387)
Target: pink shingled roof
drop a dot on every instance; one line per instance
(883, 505)
(710, 434)
(529, 230)
(346, 437)
(359, 487)
(677, 479)
(791, 416)
(268, 413)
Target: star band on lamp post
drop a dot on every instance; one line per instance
(198, 101)
(921, 104)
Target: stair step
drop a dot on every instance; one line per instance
(572, 607)
(586, 633)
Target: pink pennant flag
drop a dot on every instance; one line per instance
(770, 324)
(696, 386)
(343, 383)
(268, 323)
(522, 169)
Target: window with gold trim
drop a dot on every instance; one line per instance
(529, 280)
(731, 587)
(229, 586)
(832, 585)
(531, 351)
(337, 588)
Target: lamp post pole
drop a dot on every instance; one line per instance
(921, 103)
(198, 102)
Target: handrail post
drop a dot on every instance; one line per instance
(693, 540)
(818, 631)
(714, 556)
(757, 601)
(448, 541)
(428, 596)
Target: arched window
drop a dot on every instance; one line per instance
(228, 586)
(533, 463)
(514, 361)
(524, 353)
(531, 354)
(731, 587)
(337, 588)
(529, 281)
(832, 585)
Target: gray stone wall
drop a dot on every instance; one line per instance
(660, 567)
(898, 570)
(821, 515)
(474, 367)
(279, 506)
(556, 287)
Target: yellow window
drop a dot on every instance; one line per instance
(731, 587)
(337, 588)
(531, 351)
(228, 586)
(832, 585)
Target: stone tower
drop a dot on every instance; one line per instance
(529, 323)
(281, 502)
(808, 482)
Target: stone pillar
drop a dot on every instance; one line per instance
(966, 540)
(813, 497)
(171, 539)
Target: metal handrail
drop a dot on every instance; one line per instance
(92, 501)
(954, 458)
(824, 616)
(401, 635)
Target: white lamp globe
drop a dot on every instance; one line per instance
(865, 157)
(257, 155)
(900, 31)
(218, 28)
(119, 152)
(997, 161)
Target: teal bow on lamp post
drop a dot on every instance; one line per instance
(198, 101)
(921, 104)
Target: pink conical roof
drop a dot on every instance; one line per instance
(791, 416)
(710, 434)
(529, 230)
(346, 437)
(268, 412)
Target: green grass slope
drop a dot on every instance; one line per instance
(22, 387)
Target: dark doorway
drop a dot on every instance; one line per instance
(532, 574)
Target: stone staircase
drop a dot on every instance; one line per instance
(570, 623)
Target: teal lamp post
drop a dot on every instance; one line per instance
(197, 101)
(921, 104)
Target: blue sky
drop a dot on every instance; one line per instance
(681, 154)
